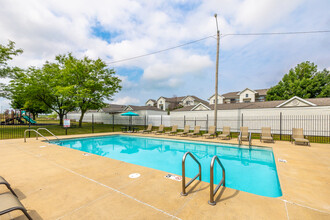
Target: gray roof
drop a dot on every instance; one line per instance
(151, 108)
(255, 105)
(262, 91)
(174, 99)
(113, 108)
(88, 111)
(200, 100)
(180, 98)
(230, 95)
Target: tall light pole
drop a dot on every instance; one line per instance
(216, 75)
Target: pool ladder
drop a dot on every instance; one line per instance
(222, 182)
(212, 190)
(38, 133)
(184, 185)
(48, 132)
(240, 141)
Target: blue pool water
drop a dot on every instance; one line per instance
(250, 170)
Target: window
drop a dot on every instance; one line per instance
(213, 101)
(160, 102)
(246, 95)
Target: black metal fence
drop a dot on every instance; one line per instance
(13, 126)
(316, 127)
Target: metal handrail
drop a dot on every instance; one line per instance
(48, 132)
(184, 186)
(222, 182)
(239, 138)
(35, 132)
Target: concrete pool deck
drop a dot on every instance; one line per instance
(55, 182)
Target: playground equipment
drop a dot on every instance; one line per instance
(28, 119)
(16, 115)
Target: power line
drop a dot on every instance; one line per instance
(222, 36)
(160, 51)
(277, 33)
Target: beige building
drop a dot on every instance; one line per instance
(294, 106)
(246, 95)
(151, 102)
(165, 103)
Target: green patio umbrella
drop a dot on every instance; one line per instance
(130, 114)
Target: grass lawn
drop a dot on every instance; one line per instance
(17, 131)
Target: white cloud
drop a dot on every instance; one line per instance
(4, 104)
(259, 14)
(178, 65)
(126, 100)
(126, 83)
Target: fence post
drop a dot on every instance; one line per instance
(113, 122)
(280, 125)
(92, 123)
(66, 128)
(242, 120)
(207, 121)
(184, 120)
(195, 121)
(161, 119)
(145, 122)
(29, 122)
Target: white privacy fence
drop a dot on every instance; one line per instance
(313, 125)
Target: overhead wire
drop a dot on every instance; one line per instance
(221, 36)
(160, 51)
(276, 33)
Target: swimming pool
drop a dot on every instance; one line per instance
(250, 170)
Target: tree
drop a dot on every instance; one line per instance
(20, 97)
(64, 85)
(91, 80)
(7, 53)
(304, 81)
(37, 92)
(50, 86)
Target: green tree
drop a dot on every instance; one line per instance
(64, 85)
(26, 91)
(304, 81)
(49, 85)
(19, 96)
(6, 54)
(92, 82)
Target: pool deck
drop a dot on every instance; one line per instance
(56, 182)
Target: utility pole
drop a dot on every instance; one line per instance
(216, 76)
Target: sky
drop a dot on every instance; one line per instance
(114, 30)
